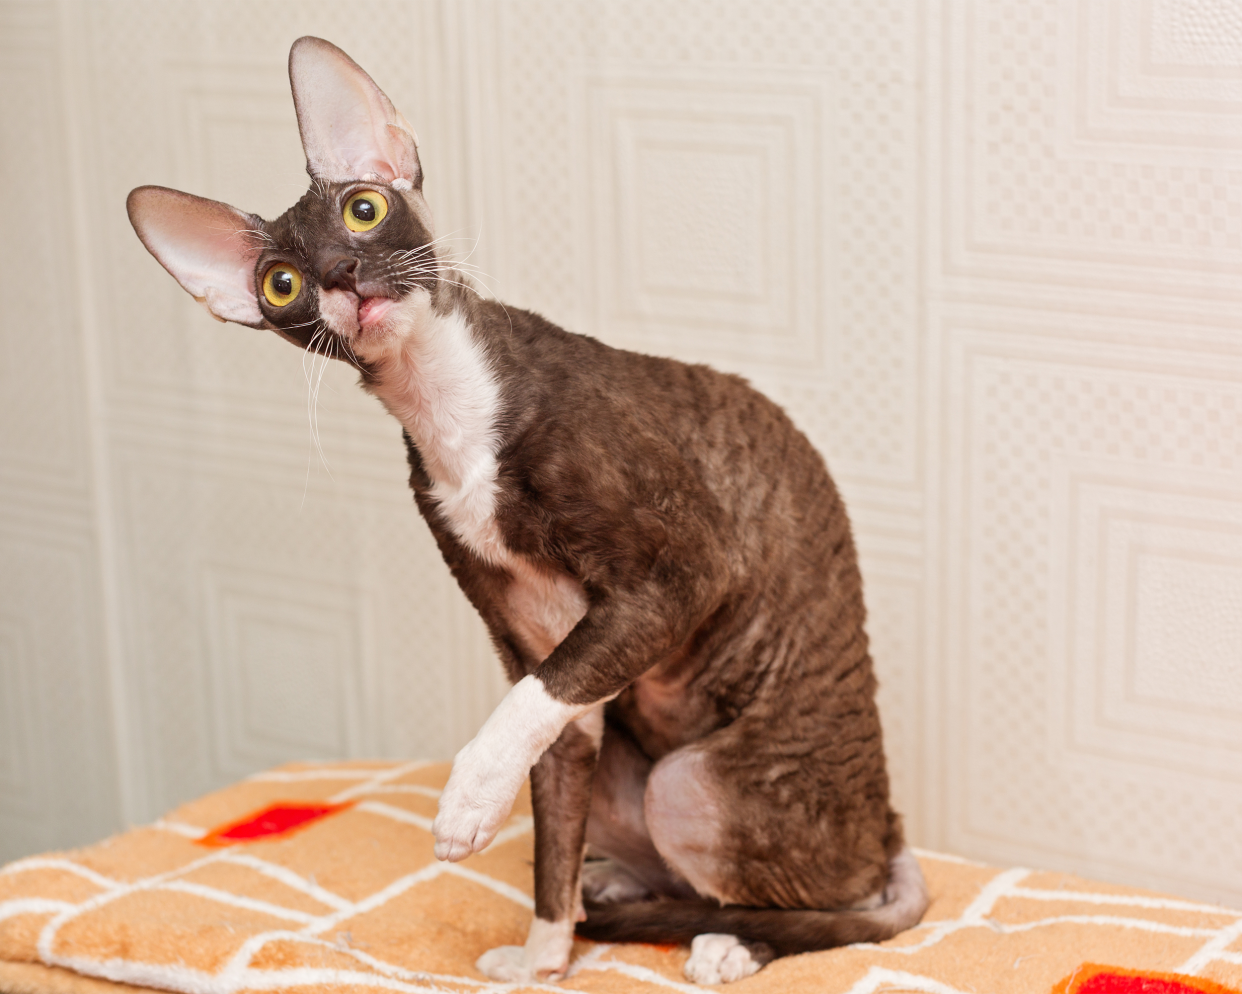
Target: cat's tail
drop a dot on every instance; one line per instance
(785, 931)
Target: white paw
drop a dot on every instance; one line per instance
(718, 959)
(473, 805)
(606, 881)
(506, 964)
(544, 957)
(489, 770)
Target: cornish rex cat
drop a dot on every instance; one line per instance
(665, 567)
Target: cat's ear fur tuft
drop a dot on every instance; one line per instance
(209, 247)
(350, 129)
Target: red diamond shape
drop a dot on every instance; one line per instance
(1091, 978)
(277, 819)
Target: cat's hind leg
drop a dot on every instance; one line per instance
(789, 851)
(748, 821)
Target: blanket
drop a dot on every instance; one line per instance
(321, 878)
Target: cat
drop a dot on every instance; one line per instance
(664, 565)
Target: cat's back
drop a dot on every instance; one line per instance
(629, 404)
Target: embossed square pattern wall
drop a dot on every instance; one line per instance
(989, 256)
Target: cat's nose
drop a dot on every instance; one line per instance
(338, 274)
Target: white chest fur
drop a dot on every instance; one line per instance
(441, 388)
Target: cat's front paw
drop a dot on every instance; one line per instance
(544, 957)
(473, 805)
(509, 965)
(462, 829)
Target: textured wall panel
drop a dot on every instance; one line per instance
(1196, 33)
(285, 664)
(58, 782)
(1152, 621)
(1161, 75)
(1091, 158)
(40, 409)
(703, 206)
(1068, 529)
(17, 761)
(58, 775)
(1078, 158)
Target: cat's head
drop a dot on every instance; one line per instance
(351, 263)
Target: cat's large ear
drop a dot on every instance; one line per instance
(350, 129)
(209, 247)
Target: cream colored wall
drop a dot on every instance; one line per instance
(987, 254)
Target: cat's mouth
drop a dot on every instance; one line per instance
(372, 310)
(350, 314)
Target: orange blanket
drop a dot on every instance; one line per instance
(322, 879)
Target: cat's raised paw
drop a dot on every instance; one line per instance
(720, 959)
(473, 805)
(462, 827)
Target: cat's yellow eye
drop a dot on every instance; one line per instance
(281, 284)
(364, 210)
